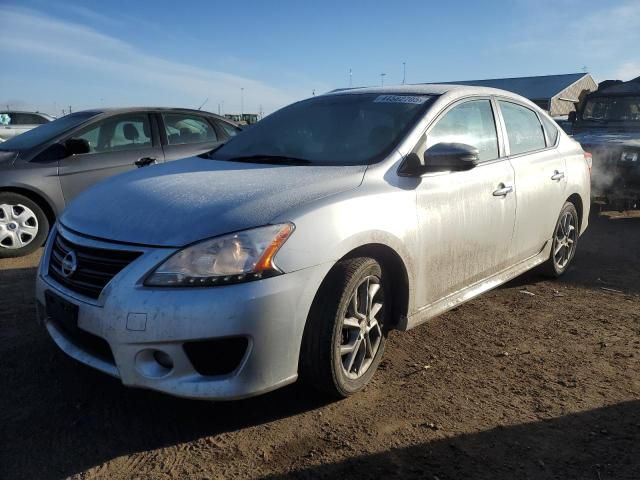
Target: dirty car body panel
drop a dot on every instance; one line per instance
(453, 234)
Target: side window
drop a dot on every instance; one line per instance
(471, 123)
(551, 129)
(184, 128)
(229, 129)
(124, 132)
(524, 130)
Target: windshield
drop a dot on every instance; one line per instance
(612, 109)
(351, 129)
(43, 133)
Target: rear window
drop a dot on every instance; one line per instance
(551, 130)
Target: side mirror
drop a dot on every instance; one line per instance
(77, 146)
(441, 157)
(52, 153)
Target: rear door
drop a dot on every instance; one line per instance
(539, 174)
(186, 134)
(117, 144)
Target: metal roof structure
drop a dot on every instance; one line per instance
(555, 93)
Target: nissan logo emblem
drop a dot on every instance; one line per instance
(69, 264)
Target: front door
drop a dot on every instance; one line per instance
(465, 219)
(117, 144)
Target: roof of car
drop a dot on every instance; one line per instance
(116, 110)
(422, 89)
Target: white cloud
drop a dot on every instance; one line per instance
(627, 71)
(28, 33)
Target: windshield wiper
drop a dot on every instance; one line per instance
(273, 159)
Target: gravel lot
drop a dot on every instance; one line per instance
(543, 384)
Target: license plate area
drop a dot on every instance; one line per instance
(62, 312)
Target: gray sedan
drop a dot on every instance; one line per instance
(45, 168)
(293, 250)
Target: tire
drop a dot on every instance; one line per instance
(23, 225)
(564, 244)
(322, 365)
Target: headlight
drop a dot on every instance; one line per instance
(233, 258)
(629, 157)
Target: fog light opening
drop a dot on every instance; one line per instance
(163, 359)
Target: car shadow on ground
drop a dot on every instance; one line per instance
(568, 447)
(597, 265)
(85, 418)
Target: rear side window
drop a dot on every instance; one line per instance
(524, 130)
(229, 129)
(551, 129)
(471, 123)
(184, 129)
(27, 119)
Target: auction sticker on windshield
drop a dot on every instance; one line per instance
(401, 99)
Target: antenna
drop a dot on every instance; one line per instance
(205, 101)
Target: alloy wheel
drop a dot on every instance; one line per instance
(361, 330)
(564, 245)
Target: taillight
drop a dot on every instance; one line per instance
(589, 159)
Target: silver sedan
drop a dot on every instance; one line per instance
(295, 248)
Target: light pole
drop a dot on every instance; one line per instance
(382, 75)
(241, 101)
(350, 78)
(404, 72)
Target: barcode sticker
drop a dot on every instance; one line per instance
(401, 99)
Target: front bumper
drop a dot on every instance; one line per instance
(136, 321)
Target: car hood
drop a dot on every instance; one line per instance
(608, 137)
(182, 202)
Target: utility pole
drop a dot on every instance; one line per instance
(69, 108)
(241, 101)
(382, 75)
(404, 72)
(260, 112)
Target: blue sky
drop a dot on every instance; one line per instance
(123, 52)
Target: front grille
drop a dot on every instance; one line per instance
(95, 267)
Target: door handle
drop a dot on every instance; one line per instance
(557, 176)
(144, 161)
(503, 190)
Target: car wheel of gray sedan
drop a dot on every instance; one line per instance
(23, 225)
(345, 333)
(565, 241)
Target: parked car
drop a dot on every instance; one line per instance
(14, 123)
(607, 125)
(293, 249)
(45, 168)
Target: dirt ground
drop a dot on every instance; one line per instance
(513, 385)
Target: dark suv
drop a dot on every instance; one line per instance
(607, 124)
(43, 169)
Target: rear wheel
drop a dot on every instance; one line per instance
(345, 335)
(23, 225)
(565, 241)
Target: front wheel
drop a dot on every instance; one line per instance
(345, 334)
(23, 225)
(565, 241)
